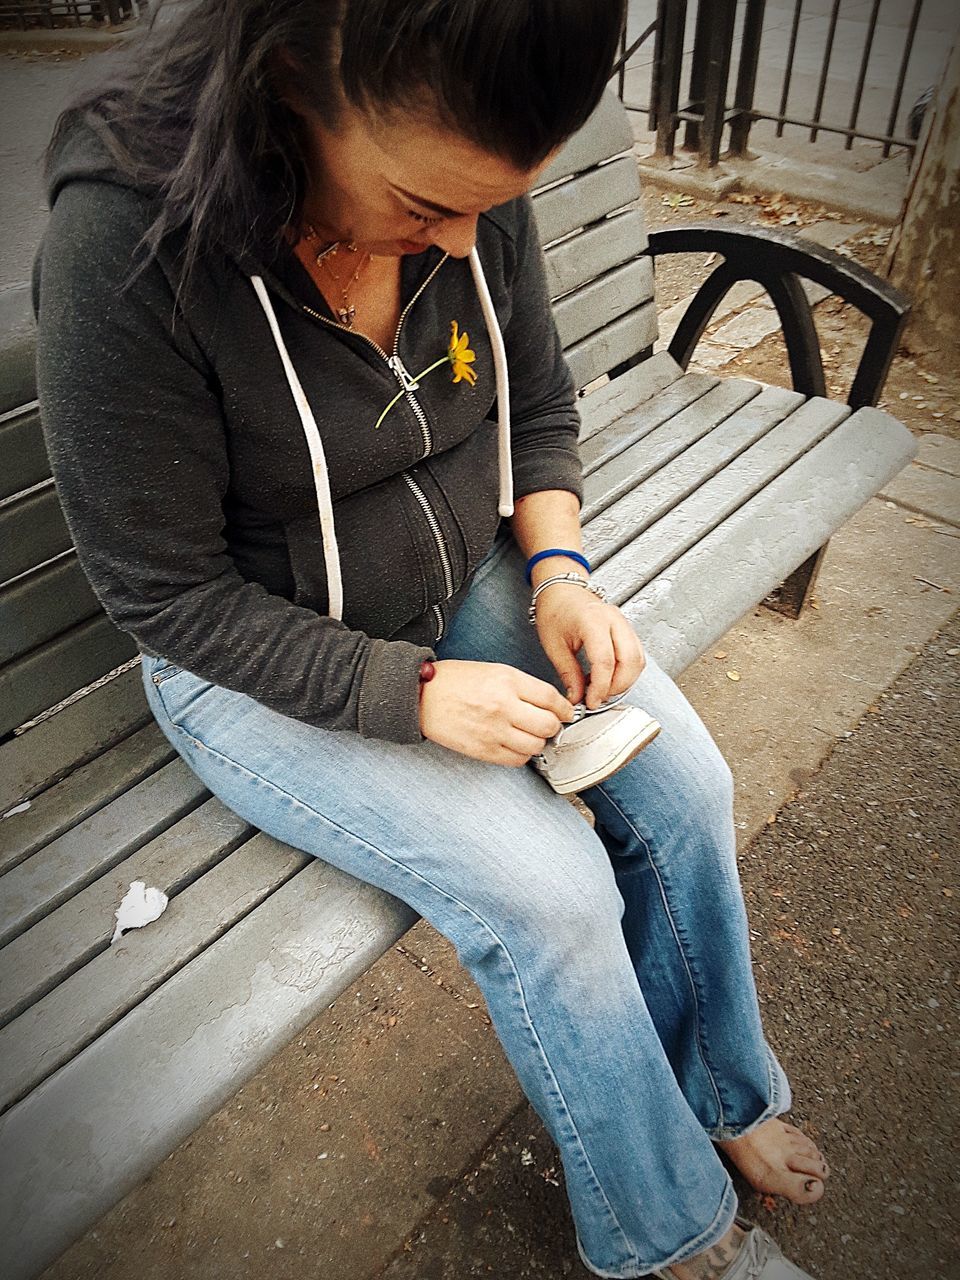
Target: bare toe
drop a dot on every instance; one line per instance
(809, 1192)
(802, 1163)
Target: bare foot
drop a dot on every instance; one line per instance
(715, 1262)
(778, 1158)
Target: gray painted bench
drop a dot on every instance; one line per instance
(704, 496)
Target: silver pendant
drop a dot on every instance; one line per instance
(346, 315)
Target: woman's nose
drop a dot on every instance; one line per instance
(456, 236)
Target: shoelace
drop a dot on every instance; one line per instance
(581, 709)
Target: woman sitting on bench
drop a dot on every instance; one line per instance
(316, 440)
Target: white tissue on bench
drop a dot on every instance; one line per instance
(140, 905)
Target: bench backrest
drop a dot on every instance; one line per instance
(55, 638)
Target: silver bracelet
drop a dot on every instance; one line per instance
(561, 577)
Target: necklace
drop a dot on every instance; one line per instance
(347, 312)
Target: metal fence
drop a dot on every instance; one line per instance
(725, 33)
(52, 13)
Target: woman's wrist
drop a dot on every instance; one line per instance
(556, 560)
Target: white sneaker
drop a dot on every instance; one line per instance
(758, 1258)
(594, 745)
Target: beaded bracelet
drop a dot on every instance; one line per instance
(555, 551)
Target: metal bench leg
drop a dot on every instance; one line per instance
(794, 592)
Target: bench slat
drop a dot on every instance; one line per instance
(620, 468)
(32, 530)
(73, 860)
(606, 134)
(603, 301)
(612, 345)
(80, 732)
(58, 945)
(675, 460)
(689, 606)
(185, 1050)
(24, 453)
(713, 499)
(605, 404)
(586, 198)
(40, 605)
(583, 257)
(691, 483)
(75, 659)
(18, 382)
(119, 977)
(83, 792)
(677, 396)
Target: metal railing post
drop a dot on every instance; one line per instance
(671, 18)
(747, 76)
(698, 74)
(722, 17)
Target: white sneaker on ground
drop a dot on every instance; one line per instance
(594, 745)
(758, 1258)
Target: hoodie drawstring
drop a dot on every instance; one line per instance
(503, 385)
(318, 459)
(321, 475)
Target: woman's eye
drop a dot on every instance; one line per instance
(421, 217)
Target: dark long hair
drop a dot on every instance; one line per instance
(194, 113)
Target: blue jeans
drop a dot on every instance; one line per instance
(614, 962)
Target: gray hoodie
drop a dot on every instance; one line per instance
(217, 461)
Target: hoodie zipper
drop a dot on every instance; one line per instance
(410, 385)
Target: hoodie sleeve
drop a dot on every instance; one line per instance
(545, 420)
(132, 418)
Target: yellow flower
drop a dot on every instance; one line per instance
(460, 355)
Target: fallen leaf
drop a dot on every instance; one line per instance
(676, 201)
(733, 675)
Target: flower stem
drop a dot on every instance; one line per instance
(416, 378)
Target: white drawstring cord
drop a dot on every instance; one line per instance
(504, 460)
(321, 476)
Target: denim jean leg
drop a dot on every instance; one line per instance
(524, 889)
(666, 820)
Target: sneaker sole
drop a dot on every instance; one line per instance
(604, 771)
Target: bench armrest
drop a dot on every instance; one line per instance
(778, 260)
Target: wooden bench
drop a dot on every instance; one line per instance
(704, 495)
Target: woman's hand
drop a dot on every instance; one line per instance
(490, 711)
(568, 618)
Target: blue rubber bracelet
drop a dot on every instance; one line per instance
(554, 551)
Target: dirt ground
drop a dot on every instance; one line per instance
(923, 387)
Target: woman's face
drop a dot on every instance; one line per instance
(379, 184)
